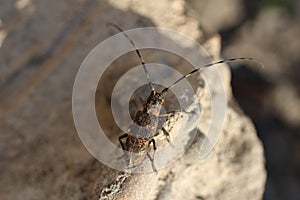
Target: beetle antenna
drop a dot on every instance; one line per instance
(137, 52)
(164, 91)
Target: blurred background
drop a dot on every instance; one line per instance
(269, 31)
(38, 39)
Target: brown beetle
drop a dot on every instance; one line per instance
(141, 135)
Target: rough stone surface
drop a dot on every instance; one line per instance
(42, 46)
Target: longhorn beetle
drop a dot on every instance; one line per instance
(146, 121)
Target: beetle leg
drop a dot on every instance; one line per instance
(170, 114)
(120, 140)
(154, 145)
(166, 133)
(152, 162)
(152, 159)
